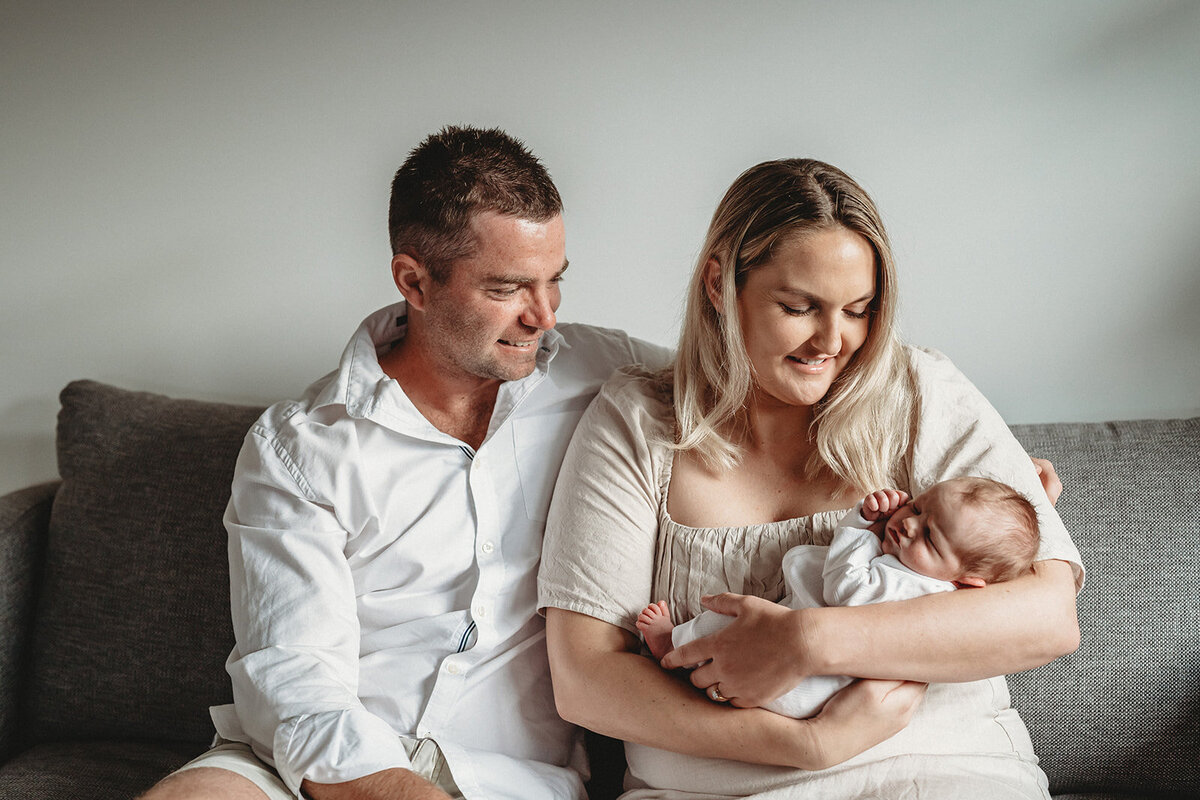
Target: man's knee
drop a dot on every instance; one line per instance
(204, 783)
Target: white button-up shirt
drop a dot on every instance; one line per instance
(383, 574)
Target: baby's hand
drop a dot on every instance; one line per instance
(882, 503)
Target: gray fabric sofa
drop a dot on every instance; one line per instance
(114, 605)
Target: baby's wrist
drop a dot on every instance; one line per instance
(863, 512)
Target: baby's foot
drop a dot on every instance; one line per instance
(655, 624)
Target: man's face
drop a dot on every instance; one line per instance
(486, 321)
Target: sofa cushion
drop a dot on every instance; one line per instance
(1123, 713)
(132, 626)
(74, 770)
(24, 517)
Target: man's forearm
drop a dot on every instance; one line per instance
(388, 784)
(964, 635)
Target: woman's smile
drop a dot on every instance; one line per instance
(810, 366)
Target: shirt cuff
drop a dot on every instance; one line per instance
(335, 747)
(854, 518)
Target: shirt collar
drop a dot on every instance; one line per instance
(361, 385)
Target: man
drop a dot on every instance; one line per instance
(385, 530)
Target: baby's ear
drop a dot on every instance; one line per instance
(972, 581)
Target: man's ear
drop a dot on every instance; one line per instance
(411, 278)
(973, 581)
(712, 283)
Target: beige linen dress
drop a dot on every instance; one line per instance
(611, 548)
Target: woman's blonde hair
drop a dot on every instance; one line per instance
(861, 425)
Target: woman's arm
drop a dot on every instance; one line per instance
(601, 683)
(964, 635)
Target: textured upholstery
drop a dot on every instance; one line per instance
(124, 651)
(129, 643)
(1123, 713)
(23, 520)
(112, 770)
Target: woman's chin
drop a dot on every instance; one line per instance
(807, 393)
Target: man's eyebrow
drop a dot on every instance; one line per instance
(523, 280)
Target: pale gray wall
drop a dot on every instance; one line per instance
(193, 196)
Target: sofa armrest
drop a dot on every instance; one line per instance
(24, 518)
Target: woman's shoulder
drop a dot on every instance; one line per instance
(948, 409)
(633, 407)
(927, 361)
(637, 392)
(935, 379)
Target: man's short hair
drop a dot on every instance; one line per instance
(455, 174)
(1007, 544)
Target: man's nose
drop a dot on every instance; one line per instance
(539, 313)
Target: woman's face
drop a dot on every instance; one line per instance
(806, 312)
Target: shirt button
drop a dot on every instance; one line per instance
(453, 669)
(480, 611)
(487, 547)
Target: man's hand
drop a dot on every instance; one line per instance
(1049, 478)
(754, 660)
(883, 503)
(388, 784)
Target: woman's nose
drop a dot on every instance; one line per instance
(828, 336)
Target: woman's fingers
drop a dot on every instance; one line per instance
(756, 658)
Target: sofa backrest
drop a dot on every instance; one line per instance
(1123, 713)
(132, 626)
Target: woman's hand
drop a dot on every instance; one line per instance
(1049, 478)
(754, 660)
(864, 714)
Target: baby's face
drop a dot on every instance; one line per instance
(928, 533)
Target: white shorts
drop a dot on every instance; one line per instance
(237, 757)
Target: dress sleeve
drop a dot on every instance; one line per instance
(598, 552)
(295, 667)
(957, 432)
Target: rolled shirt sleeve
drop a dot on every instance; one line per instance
(295, 667)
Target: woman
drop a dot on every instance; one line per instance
(791, 397)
